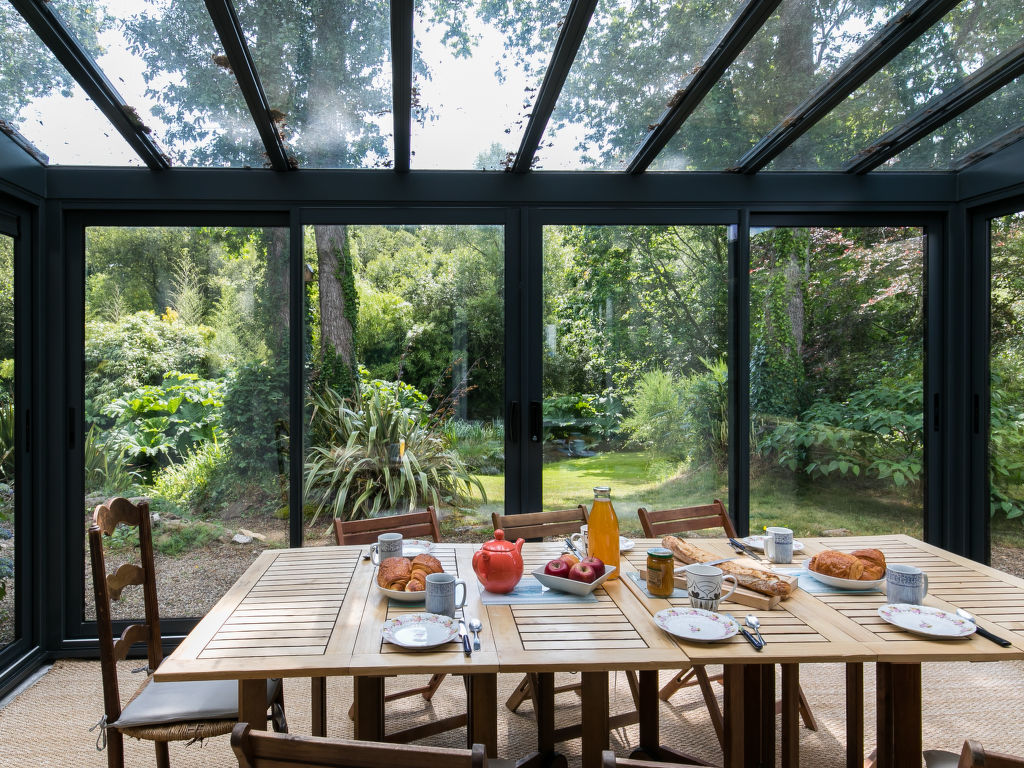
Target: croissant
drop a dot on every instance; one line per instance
(874, 563)
(837, 564)
(417, 582)
(426, 564)
(394, 573)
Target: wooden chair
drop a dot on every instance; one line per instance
(413, 525)
(973, 755)
(258, 749)
(608, 760)
(158, 712)
(667, 522)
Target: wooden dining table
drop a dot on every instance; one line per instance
(316, 612)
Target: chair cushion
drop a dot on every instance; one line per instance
(160, 703)
(937, 758)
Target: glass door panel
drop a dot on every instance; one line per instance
(8, 533)
(836, 379)
(186, 401)
(1006, 393)
(405, 374)
(634, 366)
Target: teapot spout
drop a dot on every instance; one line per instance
(519, 545)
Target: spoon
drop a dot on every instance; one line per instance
(475, 626)
(753, 622)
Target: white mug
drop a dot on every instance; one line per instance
(440, 594)
(905, 584)
(388, 545)
(778, 544)
(704, 585)
(579, 540)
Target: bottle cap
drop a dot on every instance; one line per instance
(660, 552)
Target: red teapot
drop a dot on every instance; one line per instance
(499, 564)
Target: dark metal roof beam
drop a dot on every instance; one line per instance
(750, 18)
(237, 50)
(76, 60)
(24, 144)
(570, 38)
(999, 143)
(898, 32)
(940, 110)
(401, 80)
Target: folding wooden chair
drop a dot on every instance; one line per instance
(608, 760)
(973, 755)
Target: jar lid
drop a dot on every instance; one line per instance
(660, 552)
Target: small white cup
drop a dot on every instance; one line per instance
(704, 585)
(905, 584)
(440, 594)
(778, 544)
(579, 540)
(388, 545)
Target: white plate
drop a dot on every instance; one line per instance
(927, 621)
(625, 544)
(571, 586)
(757, 542)
(413, 547)
(420, 630)
(838, 583)
(401, 595)
(695, 624)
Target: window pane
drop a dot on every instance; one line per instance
(1006, 414)
(836, 372)
(44, 103)
(635, 377)
(186, 400)
(799, 48)
(973, 33)
(420, 311)
(8, 538)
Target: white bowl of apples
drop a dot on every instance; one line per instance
(580, 578)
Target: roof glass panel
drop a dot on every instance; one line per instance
(477, 73)
(973, 33)
(326, 70)
(800, 46)
(166, 61)
(972, 130)
(45, 105)
(634, 57)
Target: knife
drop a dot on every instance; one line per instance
(744, 549)
(758, 646)
(464, 634)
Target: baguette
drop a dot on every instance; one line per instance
(756, 579)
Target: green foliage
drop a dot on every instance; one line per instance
(161, 424)
(355, 468)
(172, 540)
(255, 417)
(7, 441)
(106, 472)
(185, 484)
(595, 415)
(480, 445)
(6, 572)
(1006, 447)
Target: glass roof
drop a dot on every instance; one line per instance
(799, 48)
(41, 100)
(974, 32)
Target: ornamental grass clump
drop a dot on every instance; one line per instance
(356, 467)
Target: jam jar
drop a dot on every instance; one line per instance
(660, 564)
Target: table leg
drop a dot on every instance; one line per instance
(368, 701)
(899, 714)
(732, 716)
(318, 705)
(759, 708)
(595, 717)
(790, 715)
(482, 707)
(252, 703)
(855, 715)
(647, 705)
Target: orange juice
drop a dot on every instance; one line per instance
(603, 530)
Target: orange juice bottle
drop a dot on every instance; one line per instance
(603, 530)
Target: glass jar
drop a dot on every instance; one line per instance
(660, 566)
(603, 530)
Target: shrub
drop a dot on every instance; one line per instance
(658, 415)
(173, 540)
(185, 483)
(1006, 448)
(255, 417)
(597, 415)
(6, 572)
(7, 441)
(481, 446)
(355, 470)
(105, 472)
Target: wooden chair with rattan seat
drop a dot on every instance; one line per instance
(666, 522)
(973, 755)
(258, 749)
(157, 712)
(609, 760)
(412, 525)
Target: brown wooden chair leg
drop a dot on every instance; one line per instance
(805, 712)
(634, 687)
(432, 686)
(710, 701)
(115, 748)
(678, 681)
(520, 694)
(163, 756)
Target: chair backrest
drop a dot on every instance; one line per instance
(664, 522)
(608, 760)
(261, 749)
(107, 587)
(538, 525)
(975, 756)
(413, 525)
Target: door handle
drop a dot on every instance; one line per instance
(512, 422)
(536, 422)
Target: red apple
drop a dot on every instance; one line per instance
(583, 572)
(596, 563)
(558, 568)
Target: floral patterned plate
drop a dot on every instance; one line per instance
(420, 630)
(696, 625)
(927, 621)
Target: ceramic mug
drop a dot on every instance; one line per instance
(905, 584)
(778, 544)
(388, 545)
(440, 592)
(704, 585)
(579, 540)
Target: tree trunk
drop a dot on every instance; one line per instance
(336, 333)
(278, 253)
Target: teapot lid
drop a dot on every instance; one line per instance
(498, 543)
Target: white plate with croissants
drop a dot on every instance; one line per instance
(405, 578)
(863, 569)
